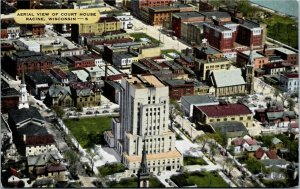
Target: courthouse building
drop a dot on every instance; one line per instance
(144, 116)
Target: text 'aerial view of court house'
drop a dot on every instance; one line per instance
(149, 93)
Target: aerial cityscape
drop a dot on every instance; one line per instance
(156, 93)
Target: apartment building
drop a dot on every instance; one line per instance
(144, 110)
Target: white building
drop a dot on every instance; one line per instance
(289, 82)
(29, 45)
(188, 102)
(123, 59)
(125, 18)
(144, 110)
(71, 52)
(13, 31)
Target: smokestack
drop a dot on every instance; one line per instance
(265, 47)
(105, 72)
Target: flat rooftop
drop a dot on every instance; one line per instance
(217, 14)
(188, 14)
(250, 24)
(285, 50)
(144, 81)
(209, 50)
(217, 27)
(254, 54)
(163, 155)
(198, 99)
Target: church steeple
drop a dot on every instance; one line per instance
(23, 99)
(143, 173)
(250, 72)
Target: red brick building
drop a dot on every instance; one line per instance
(37, 29)
(287, 55)
(81, 61)
(188, 17)
(250, 33)
(9, 99)
(137, 5)
(30, 61)
(163, 14)
(179, 88)
(218, 36)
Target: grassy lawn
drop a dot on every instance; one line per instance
(201, 179)
(132, 183)
(167, 51)
(193, 161)
(89, 131)
(138, 36)
(283, 29)
(110, 169)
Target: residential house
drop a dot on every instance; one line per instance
(59, 96)
(240, 144)
(276, 68)
(262, 154)
(86, 94)
(47, 165)
(277, 143)
(228, 82)
(223, 112)
(231, 129)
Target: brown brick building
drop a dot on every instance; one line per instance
(218, 36)
(81, 61)
(30, 61)
(179, 88)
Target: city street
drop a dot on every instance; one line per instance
(153, 31)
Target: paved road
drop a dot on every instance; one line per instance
(153, 31)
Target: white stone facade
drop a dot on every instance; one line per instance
(144, 116)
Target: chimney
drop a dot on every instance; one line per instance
(106, 72)
(265, 47)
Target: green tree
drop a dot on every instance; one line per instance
(58, 110)
(174, 111)
(79, 108)
(255, 166)
(291, 104)
(246, 8)
(276, 93)
(216, 3)
(203, 139)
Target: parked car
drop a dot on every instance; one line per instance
(97, 112)
(89, 113)
(105, 111)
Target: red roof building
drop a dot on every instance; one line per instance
(223, 112)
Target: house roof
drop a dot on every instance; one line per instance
(225, 110)
(32, 129)
(20, 115)
(259, 153)
(231, 128)
(276, 162)
(252, 148)
(200, 99)
(275, 141)
(9, 92)
(272, 154)
(55, 167)
(281, 115)
(42, 159)
(39, 140)
(39, 77)
(217, 14)
(55, 90)
(225, 78)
